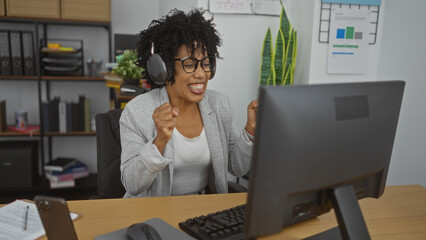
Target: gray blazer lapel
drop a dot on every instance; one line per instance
(215, 145)
(168, 151)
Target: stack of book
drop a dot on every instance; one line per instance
(62, 172)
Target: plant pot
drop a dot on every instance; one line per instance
(134, 82)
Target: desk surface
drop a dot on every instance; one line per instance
(399, 214)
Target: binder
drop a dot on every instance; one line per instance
(87, 115)
(28, 53)
(62, 116)
(69, 117)
(46, 116)
(81, 100)
(3, 125)
(75, 116)
(54, 114)
(5, 66)
(16, 53)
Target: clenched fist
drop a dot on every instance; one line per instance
(251, 117)
(164, 119)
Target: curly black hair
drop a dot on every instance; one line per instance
(173, 30)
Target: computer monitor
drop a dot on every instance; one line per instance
(319, 147)
(123, 42)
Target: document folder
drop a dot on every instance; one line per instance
(16, 53)
(5, 53)
(28, 53)
(3, 125)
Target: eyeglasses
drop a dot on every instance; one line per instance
(190, 64)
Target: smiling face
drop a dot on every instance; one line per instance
(188, 87)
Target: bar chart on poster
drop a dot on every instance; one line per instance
(325, 16)
(348, 41)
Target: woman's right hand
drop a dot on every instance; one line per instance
(165, 119)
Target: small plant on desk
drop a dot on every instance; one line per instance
(127, 68)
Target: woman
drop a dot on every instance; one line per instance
(178, 138)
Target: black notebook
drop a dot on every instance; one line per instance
(60, 164)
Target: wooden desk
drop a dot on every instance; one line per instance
(399, 214)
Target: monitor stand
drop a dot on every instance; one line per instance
(348, 214)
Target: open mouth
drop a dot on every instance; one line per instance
(196, 88)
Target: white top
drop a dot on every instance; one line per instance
(191, 164)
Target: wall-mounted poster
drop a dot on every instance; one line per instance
(348, 45)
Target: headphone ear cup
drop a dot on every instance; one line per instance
(213, 68)
(157, 69)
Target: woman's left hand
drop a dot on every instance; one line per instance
(251, 117)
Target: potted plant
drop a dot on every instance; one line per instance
(127, 69)
(277, 67)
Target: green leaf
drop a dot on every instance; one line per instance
(293, 64)
(266, 65)
(279, 58)
(285, 25)
(272, 79)
(289, 56)
(287, 78)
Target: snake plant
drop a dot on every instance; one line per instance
(278, 66)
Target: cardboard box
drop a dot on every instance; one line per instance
(33, 8)
(86, 10)
(2, 8)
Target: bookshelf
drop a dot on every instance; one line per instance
(54, 78)
(72, 78)
(37, 133)
(40, 185)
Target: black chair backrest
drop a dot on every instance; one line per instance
(109, 154)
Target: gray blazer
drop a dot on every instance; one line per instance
(145, 172)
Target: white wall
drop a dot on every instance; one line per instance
(132, 16)
(302, 17)
(403, 57)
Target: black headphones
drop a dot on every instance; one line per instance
(160, 72)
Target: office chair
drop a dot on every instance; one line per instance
(109, 153)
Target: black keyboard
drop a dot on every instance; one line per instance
(224, 225)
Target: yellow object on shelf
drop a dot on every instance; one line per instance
(59, 50)
(54, 45)
(68, 49)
